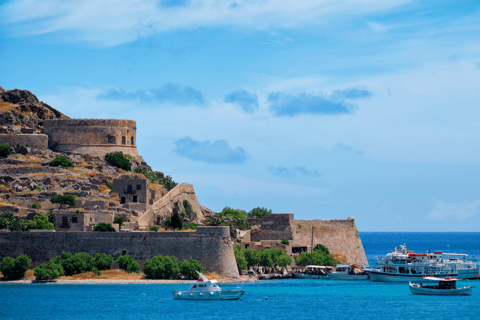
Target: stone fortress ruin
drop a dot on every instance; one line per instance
(37, 133)
(95, 137)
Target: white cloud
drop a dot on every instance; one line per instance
(461, 210)
(112, 22)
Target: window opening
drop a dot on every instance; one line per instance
(122, 200)
(131, 141)
(74, 220)
(134, 198)
(111, 139)
(139, 187)
(124, 141)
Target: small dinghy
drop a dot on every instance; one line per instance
(205, 289)
(440, 286)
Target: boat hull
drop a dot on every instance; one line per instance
(389, 277)
(441, 292)
(331, 276)
(468, 273)
(214, 295)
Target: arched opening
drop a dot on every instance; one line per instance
(124, 141)
(131, 141)
(122, 200)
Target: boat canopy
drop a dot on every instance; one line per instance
(441, 279)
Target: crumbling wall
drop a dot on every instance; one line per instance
(164, 206)
(35, 141)
(211, 246)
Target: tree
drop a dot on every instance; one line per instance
(104, 227)
(274, 253)
(40, 222)
(285, 241)
(48, 271)
(5, 150)
(118, 160)
(259, 213)
(103, 261)
(89, 260)
(162, 267)
(176, 221)
(284, 260)
(189, 267)
(68, 199)
(15, 268)
(317, 257)
(129, 264)
(63, 162)
(264, 259)
(12, 223)
(251, 256)
(240, 259)
(120, 220)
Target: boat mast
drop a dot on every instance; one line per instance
(311, 248)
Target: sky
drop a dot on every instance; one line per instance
(325, 109)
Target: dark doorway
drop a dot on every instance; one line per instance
(134, 198)
(122, 200)
(131, 139)
(124, 141)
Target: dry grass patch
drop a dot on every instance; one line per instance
(7, 106)
(103, 189)
(213, 276)
(106, 274)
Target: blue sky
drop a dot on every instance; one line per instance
(326, 109)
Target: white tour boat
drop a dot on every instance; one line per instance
(340, 272)
(441, 286)
(205, 289)
(403, 266)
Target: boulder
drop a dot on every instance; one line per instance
(26, 150)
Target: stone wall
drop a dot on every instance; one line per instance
(339, 236)
(165, 205)
(35, 141)
(209, 245)
(95, 137)
(131, 189)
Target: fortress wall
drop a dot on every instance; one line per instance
(339, 236)
(96, 137)
(164, 206)
(271, 227)
(209, 245)
(35, 141)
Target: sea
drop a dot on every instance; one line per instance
(274, 299)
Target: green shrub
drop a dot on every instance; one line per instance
(74, 264)
(317, 257)
(36, 206)
(118, 160)
(120, 220)
(176, 221)
(97, 272)
(129, 264)
(154, 228)
(322, 248)
(104, 227)
(68, 199)
(167, 181)
(89, 260)
(259, 213)
(109, 184)
(48, 271)
(162, 267)
(21, 116)
(15, 268)
(40, 222)
(10, 222)
(5, 150)
(39, 190)
(103, 261)
(63, 162)
(188, 267)
(285, 241)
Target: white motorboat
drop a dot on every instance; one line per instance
(340, 272)
(205, 289)
(440, 286)
(403, 266)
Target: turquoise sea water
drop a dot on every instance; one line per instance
(287, 299)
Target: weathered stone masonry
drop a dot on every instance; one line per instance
(95, 137)
(35, 141)
(209, 245)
